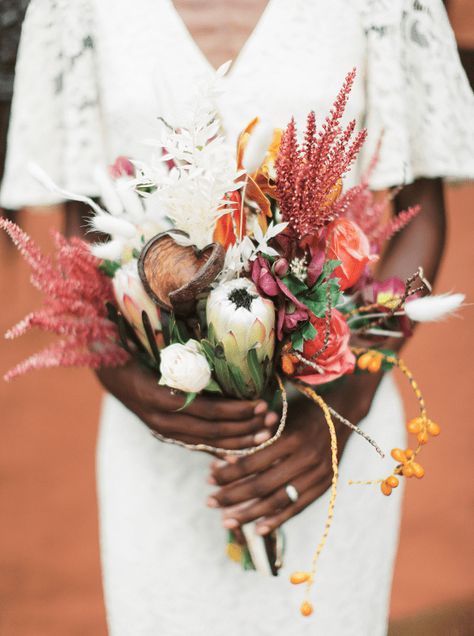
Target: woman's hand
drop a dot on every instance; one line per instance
(220, 422)
(253, 487)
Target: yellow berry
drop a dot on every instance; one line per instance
(364, 360)
(306, 608)
(386, 488)
(414, 426)
(418, 470)
(422, 437)
(399, 455)
(299, 577)
(409, 453)
(392, 481)
(408, 471)
(433, 428)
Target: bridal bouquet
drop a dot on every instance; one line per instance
(236, 273)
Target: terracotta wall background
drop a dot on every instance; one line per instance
(49, 557)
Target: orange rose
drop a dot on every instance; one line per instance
(337, 359)
(348, 244)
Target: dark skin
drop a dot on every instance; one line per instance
(253, 487)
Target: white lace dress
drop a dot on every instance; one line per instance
(92, 77)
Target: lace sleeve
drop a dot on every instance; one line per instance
(55, 114)
(418, 95)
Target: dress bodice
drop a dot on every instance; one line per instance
(93, 76)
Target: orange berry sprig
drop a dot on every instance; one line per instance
(421, 426)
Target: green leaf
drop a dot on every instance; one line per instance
(256, 371)
(109, 267)
(295, 285)
(329, 267)
(297, 341)
(190, 397)
(237, 380)
(308, 331)
(213, 387)
(223, 375)
(208, 351)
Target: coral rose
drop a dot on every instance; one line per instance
(337, 359)
(348, 244)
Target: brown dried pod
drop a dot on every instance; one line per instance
(173, 275)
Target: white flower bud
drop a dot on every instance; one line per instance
(185, 367)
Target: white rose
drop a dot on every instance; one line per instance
(184, 367)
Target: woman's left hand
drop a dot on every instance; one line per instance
(254, 487)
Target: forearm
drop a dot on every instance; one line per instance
(421, 243)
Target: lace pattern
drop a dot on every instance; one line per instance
(55, 111)
(418, 93)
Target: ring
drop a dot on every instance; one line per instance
(293, 494)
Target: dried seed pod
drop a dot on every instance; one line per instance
(173, 274)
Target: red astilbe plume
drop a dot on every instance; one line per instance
(309, 178)
(75, 295)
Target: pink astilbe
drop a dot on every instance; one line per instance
(75, 293)
(371, 215)
(309, 177)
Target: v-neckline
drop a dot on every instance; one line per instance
(237, 58)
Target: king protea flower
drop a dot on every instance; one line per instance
(243, 324)
(133, 300)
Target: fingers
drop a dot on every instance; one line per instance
(212, 409)
(276, 502)
(263, 484)
(134, 384)
(272, 521)
(229, 472)
(227, 443)
(183, 424)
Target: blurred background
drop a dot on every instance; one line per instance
(49, 555)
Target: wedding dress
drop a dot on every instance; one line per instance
(92, 78)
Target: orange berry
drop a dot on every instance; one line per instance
(364, 360)
(423, 437)
(306, 608)
(433, 428)
(409, 453)
(408, 471)
(386, 488)
(299, 577)
(287, 364)
(414, 426)
(399, 455)
(375, 364)
(392, 481)
(418, 470)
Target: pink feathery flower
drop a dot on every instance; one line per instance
(75, 296)
(309, 178)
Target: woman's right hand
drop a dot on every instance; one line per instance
(219, 422)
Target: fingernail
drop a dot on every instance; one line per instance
(261, 437)
(262, 529)
(211, 480)
(260, 408)
(212, 502)
(271, 419)
(220, 463)
(232, 459)
(230, 523)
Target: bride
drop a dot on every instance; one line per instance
(91, 79)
